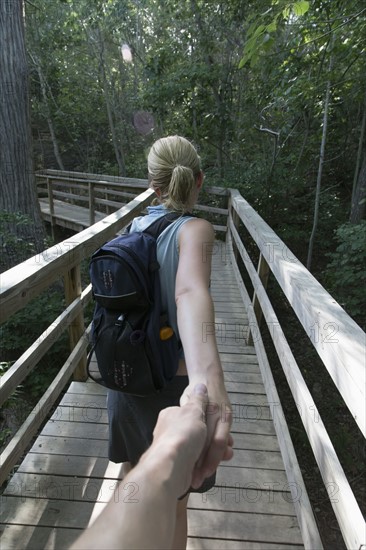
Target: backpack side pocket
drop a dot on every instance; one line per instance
(122, 360)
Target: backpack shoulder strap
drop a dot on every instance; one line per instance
(158, 226)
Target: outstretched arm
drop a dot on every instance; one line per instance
(163, 473)
(195, 315)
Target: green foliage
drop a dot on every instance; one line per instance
(23, 328)
(4, 367)
(260, 36)
(346, 273)
(9, 239)
(9, 407)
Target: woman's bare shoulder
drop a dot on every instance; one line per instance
(198, 229)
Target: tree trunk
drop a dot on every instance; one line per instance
(359, 195)
(359, 180)
(47, 111)
(215, 87)
(17, 180)
(115, 140)
(320, 168)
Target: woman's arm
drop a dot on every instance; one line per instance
(195, 316)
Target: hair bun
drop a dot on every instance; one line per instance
(173, 166)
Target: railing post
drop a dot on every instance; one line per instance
(91, 204)
(236, 220)
(263, 273)
(52, 207)
(72, 284)
(106, 196)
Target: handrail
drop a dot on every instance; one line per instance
(296, 281)
(100, 178)
(94, 185)
(300, 499)
(121, 181)
(339, 341)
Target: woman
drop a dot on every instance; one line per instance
(176, 177)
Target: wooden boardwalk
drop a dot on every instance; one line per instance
(68, 215)
(66, 479)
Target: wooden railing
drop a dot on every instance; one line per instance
(338, 340)
(340, 343)
(103, 193)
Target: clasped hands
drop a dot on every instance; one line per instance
(198, 432)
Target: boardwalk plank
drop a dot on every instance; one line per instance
(244, 387)
(239, 499)
(94, 401)
(56, 487)
(202, 523)
(55, 538)
(76, 429)
(69, 465)
(243, 377)
(225, 544)
(239, 349)
(246, 426)
(46, 513)
(241, 359)
(247, 367)
(255, 441)
(15, 537)
(248, 458)
(69, 215)
(257, 527)
(251, 478)
(68, 413)
(28, 487)
(92, 388)
(68, 446)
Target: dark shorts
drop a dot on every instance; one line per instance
(132, 421)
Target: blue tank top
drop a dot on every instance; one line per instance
(168, 257)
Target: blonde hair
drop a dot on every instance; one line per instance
(174, 165)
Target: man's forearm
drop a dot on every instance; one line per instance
(149, 521)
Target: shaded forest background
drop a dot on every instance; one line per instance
(257, 86)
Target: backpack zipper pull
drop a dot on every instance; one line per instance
(165, 333)
(120, 320)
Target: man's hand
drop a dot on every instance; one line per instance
(182, 431)
(219, 442)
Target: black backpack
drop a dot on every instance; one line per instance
(136, 349)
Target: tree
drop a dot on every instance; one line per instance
(286, 55)
(17, 181)
(46, 109)
(358, 206)
(359, 195)
(321, 164)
